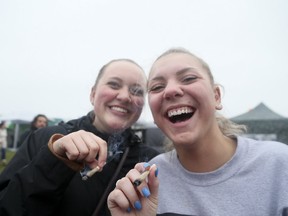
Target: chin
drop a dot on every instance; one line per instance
(182, 138)
(118, 127)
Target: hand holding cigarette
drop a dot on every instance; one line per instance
(136, 193)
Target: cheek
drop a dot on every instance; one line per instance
(139, 103)
(98, 100)
(103, 96)
(203, 93)
(207, 101)
(154, 103)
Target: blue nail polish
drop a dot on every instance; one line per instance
(145, 192)
(146, 165)
(129, 209)
(138, 205)
(156, 172)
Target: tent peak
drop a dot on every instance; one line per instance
(260, 112)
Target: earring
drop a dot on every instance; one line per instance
(219, 107)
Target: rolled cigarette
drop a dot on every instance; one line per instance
(93, 171)
(142, 177)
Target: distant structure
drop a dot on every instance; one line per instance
(151, 135)
(18, 126)
(264, 124)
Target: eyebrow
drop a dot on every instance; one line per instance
(122, 81)
(184, 70)
(178, 73)
(115, 78)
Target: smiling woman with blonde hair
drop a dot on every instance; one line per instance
(212, 170)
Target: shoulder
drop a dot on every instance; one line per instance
(269, 144)
(164, 159)
(68, 127)
(260, 148)
(36, 139)
(50, 130)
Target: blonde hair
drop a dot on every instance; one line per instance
(226, 126)
(104, 67)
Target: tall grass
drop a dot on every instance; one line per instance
(9, 155)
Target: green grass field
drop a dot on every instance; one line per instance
(9, 156)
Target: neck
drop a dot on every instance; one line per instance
(207, 155)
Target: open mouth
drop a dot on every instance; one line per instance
(180, 114)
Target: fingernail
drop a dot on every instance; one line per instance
(156, 172)
(129, 209)
(146, 192)
(138, 205)
(146, 165)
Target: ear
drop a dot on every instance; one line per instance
(92, 94)
(217, 92)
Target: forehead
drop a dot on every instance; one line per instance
(125, 71)
(41, 118)
(175, 62)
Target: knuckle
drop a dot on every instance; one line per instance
(94, 148)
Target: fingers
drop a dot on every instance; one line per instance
(76, 148)
(127, 196)
(102, 151)
(118, 200)
(93, 145)
(148, 182)
(128, 190)
(82, 146)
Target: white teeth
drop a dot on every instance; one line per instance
(179, 111)
(119, 109)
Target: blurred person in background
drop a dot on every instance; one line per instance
(3, 142)
(39, 121)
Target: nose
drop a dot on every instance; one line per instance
(172, 90)
(124, 94)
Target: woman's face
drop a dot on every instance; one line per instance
(182, 98)
(118, 98)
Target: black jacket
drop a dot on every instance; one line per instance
(24, 136)
(35, 182)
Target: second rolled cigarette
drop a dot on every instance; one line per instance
(142, 177)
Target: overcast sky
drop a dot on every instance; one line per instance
(51, 50)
